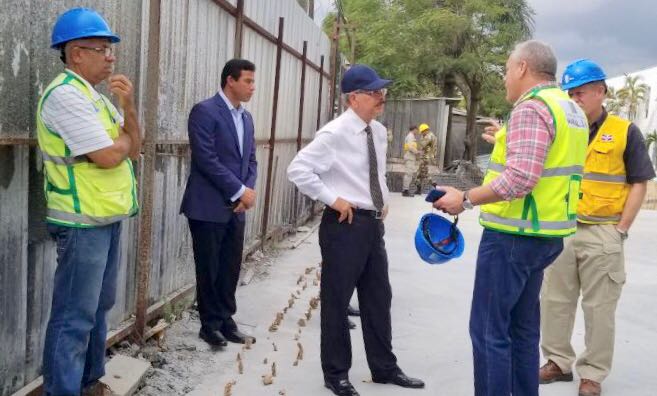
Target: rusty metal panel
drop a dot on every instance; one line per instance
(172, 265)
(401, 113)
(13, 266)
(196, 41)
(263, 54)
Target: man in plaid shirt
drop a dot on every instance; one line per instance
(523, 219)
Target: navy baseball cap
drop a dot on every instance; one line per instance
(362, 77)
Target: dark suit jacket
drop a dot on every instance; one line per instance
(218, 170)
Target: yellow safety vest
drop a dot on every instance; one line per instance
(78, 192)
(550, 209)
(605, 188)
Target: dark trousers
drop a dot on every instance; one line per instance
(505, 315)
(354, 257)
(218, 258)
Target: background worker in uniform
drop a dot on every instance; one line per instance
(410, 161)
(615, 180)
(528, 202)
(86, 146)
(427, 146)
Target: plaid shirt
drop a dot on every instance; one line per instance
(530, 133)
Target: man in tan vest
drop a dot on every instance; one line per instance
(616, 171)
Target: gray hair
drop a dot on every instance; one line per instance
(539, 57)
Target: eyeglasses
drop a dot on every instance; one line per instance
(378, 93)
(105, 51)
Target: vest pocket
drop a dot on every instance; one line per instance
(600, 159)
(111, 191)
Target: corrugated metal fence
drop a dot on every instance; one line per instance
(173, 50)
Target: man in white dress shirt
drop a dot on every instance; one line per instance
(344, 167)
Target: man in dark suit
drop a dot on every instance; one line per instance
(220, 188)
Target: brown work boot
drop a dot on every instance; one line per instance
(550, 373)
(589, 388)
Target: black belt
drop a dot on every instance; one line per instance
(377, 214)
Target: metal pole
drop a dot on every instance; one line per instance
(302, 95)
(272, 136)
(148, 171)
(319, 96)
(239, 28)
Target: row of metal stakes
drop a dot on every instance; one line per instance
(268, 378)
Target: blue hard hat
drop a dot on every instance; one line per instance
(362, 77)
(580, 72)
(438, 240)
(78, 23)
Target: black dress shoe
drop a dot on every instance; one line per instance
(400, 379)
(351, 311)
(341, 387)
(351, 324)
(237, 336)
(212, 337)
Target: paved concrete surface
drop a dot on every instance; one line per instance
(430, 320)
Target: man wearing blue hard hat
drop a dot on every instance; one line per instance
(616, 172)
(529, 198)
(90, 187)
(344, 167)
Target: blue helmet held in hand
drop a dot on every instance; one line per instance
(580, 72)
(438, 240)
(78, 23)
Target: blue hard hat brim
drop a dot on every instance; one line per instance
(576, 84)
(113, 38)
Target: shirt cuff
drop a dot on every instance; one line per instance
(327, 196)
(238, 194)
(499, 189)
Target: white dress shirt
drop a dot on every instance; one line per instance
(238, 121)
(336, 163)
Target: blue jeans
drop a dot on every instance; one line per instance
(505, 315)
(84, 291)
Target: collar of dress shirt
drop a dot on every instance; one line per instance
(93, 91)
(240, 109)
(357, 123)
(547, 84)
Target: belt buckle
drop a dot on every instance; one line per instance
(378, 214)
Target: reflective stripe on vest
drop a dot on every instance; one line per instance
(84, 219)
(63, 160)
(561, 171)
(598, 219)
(605, 178)
(546, 225)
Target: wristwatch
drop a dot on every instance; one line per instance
(467, 204)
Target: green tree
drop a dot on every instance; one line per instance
(651, 140)
(438, 47)
(632, 95)
(613, 103)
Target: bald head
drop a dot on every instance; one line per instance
(539, 57)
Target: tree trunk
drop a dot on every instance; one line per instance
(449, 91)
(471, 125)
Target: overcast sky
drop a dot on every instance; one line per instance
(621, 35)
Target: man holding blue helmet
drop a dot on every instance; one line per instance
(528, 197)
(86, 146)
(613, 187)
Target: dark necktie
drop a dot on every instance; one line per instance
(375, 187)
